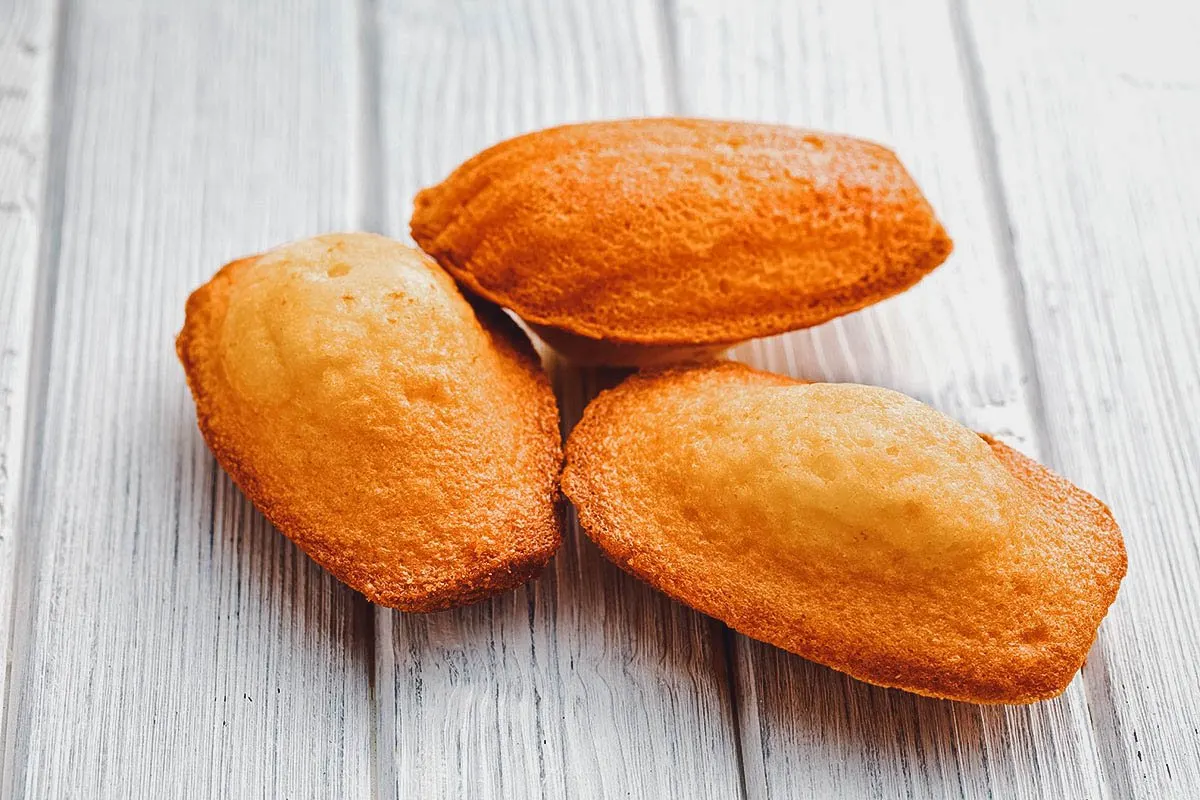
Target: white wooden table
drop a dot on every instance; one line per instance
(162, 641)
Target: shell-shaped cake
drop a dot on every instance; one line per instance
(642, 241)
(405, 440)
(849, 524)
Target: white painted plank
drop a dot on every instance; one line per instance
(26, 66)
(1096, 113)
(586, 683)
(168, 642)
(888, 71)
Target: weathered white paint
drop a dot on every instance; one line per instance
(26, 66)
(1096, 114)
(168, 642)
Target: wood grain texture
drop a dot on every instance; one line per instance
(889, 72)
(1095, 109)
(169, 643)
(26, 61)
(585, 683)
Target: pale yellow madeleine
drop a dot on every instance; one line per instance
(850, 524)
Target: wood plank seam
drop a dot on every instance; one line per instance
(1002, 229)
(735, 700)
(887, 72)
(371, 216)
(59, 113)
(610, 678)
(667, 23)
(668, 37)
(1111, 775)
(1098, 145)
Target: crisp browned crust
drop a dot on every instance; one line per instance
(419, 466)
(1011, 628)
(681, 231)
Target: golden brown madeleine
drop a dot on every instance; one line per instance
(655, 233)
(849, 524)
(408, 446)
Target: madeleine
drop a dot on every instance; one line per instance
(851, 525)
(644, 241)
(406, 443)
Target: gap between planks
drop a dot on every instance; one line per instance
(371, 215)
(667, 22)
(1002, 226)
(51, 180)
(998, 202)
(593, 679)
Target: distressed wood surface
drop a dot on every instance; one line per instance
(26, 58)
(890, 72)
(585, 683)
(1096, 118)
(168, 643)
